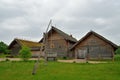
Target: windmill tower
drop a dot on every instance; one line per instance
(45, 44)
(48, 51)
(45, 41)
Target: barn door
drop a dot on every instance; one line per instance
(82, 53)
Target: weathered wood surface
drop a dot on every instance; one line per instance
(94, 48)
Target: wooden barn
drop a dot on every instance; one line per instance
(17, 44)
(58, 42)
(94, 46)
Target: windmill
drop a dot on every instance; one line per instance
(45, 42)
(49, 52)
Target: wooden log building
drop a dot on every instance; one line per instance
(17, 44)
(94, 46)
(58, 42)
(91, 46)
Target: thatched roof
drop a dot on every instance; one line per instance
(27, 43)
(63, 34)
(97, 35)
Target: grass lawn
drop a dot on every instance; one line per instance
(59, 71)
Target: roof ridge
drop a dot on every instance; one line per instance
(28, 43)
(105, 39)
(96, 34)
(65, 34)
(25, 40)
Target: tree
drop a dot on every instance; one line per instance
(117, 56)
(25, 53)
(118, 51)
(3, 48)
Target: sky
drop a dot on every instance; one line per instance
(28, 19)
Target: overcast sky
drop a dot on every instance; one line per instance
(28, 19)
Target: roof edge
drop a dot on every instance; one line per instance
(98, 35)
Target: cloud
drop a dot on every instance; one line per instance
(15, 24)
(29, 18)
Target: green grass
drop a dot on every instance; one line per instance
(59, 71)
(2, 55)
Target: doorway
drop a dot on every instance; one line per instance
(81, 53)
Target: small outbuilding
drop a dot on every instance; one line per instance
(93, 46)
(17, 44)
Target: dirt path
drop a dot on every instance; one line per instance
(81, 61)
(15, 59)
(65, 61)
(73, 61)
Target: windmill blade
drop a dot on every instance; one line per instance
(49, 25)
(45, 34)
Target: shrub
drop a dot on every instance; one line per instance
(64, 57)
(117, 57)
(74, 61)
(2, 55)
(117, 51)
(7, 60)
(25, 53)
(4, 48)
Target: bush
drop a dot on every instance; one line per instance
(2, 55)
(117, 51)
(64, 57)
(4, 48)
(117, 57)
(74, 61)
(7, 60)
(25, 53)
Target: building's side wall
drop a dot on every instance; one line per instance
(36, 53)
(70, 52)
(94, 48)
(57, 44)
(15, 49)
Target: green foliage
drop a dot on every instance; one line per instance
(3, 55)
(3, 48)
(25, 53)
(118, 51)
(65, 58)
(7, 59)
(117, 57)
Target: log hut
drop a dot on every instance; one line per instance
(59, 42)
(94, 46)
(16, 45)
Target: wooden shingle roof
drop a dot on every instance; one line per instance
(66, 36)
(63, 34)
(97, 35)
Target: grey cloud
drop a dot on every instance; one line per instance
(75, 17)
